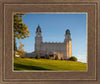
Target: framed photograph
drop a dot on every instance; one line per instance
(45, 55)
(47, 42)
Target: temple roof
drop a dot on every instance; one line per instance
(67, 31)
(38, 29)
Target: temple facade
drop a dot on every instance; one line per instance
(62, 50)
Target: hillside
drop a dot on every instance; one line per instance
(46, 64)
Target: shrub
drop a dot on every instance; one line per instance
(48, 56)
(56, 58)
(37, 56)
(73, 58)
(45, 56)
(31, 57)
(22, 57)
(61, 58)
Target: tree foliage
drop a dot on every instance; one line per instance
(48, 57)
(56, 57)
(20, 29)
(37, 56)
(61, 58)
(73, 58)
(21, 51)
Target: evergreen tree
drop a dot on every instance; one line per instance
(37, 56)
(61, 58)
(56, 58)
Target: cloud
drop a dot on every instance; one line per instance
(82, 58)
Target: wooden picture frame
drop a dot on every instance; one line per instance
(7, 75)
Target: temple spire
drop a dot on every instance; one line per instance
(38, 29)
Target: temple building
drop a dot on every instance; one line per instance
(62, 50)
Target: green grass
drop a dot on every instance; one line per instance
(47, 64)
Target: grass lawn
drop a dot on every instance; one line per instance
(47, 64)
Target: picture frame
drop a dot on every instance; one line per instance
(8, 7)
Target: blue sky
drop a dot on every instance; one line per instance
(53, 27)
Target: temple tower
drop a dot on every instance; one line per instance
(68, 44)
(38, 39)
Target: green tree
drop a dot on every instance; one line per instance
(73, 58)
(37, 56)
(20, 30)
(48, 56)
(56, 58)
(61, 58)
(45, 56)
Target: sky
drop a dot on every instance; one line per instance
(53, 26)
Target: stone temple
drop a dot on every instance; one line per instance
(62, 50)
